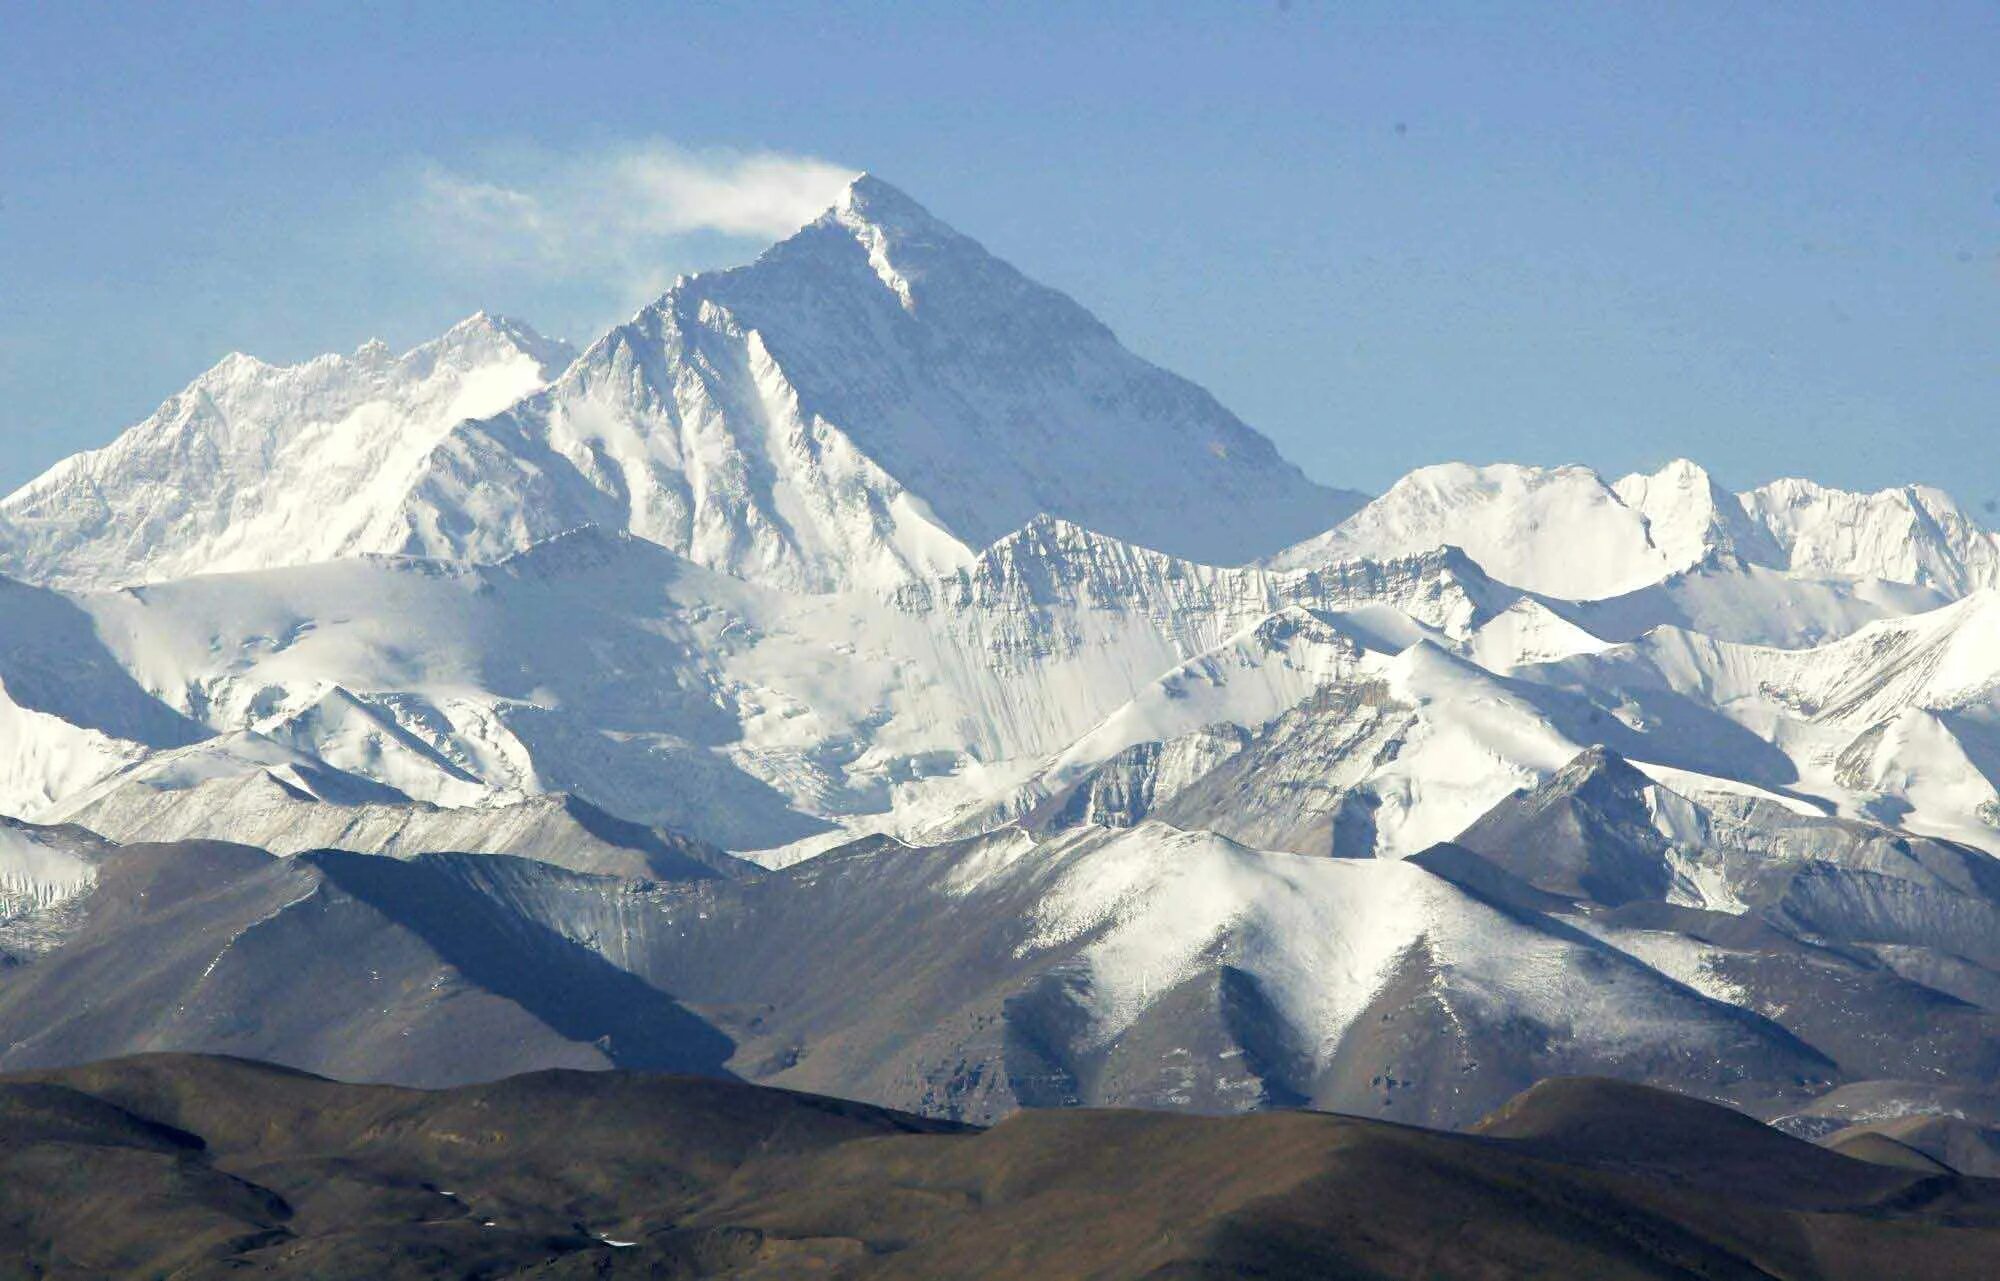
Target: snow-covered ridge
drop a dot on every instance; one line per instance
(1563, 531)
(1567, 533)
(600, 663)
(1910, 534)
(256, 464)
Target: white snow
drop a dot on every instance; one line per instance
(1154, 906)
(255, 464)
(39, 873)
(1561, 531)
(1913, 534)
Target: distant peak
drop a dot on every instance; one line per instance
(1687, 474)
(486, 324)
(238, 363)
(1044, 526)
(1043, 537)
(871, 200)
(484, 330)
(1594, 763)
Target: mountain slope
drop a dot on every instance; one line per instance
(1561, 531)
(376, 968)
(1147, 967)
(255, 465)
(1913, 534)
(265, 809)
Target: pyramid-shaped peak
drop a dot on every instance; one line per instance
(1598, 764)
(870, 200)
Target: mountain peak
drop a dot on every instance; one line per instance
(1597, 766)
(904, 241)
(871, 200)
(1689, 516)
(485, 336)
(863, 405)
(1587, 832)
(1904, 534)
(254, 465)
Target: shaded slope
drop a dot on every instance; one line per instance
(220, 1166)
(371, 967)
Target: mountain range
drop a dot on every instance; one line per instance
(859, 673)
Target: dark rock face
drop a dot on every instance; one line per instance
(1586, 833)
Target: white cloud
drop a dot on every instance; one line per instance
(613, 217)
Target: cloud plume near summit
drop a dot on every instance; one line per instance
(614, 214)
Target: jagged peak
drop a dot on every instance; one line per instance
(1679, 476)
(234, 367)
(1677, 470)
(1047, 550)
(1689, 516)
(1794, 491)
(477, 330)
(482, 332)
(888, 225)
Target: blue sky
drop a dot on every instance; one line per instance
(1766, 236)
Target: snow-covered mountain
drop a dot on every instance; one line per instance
(1566, 532)
(890, 571)
(874, 398)
(1911, 534)
(255, 465)
(1563, 532)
